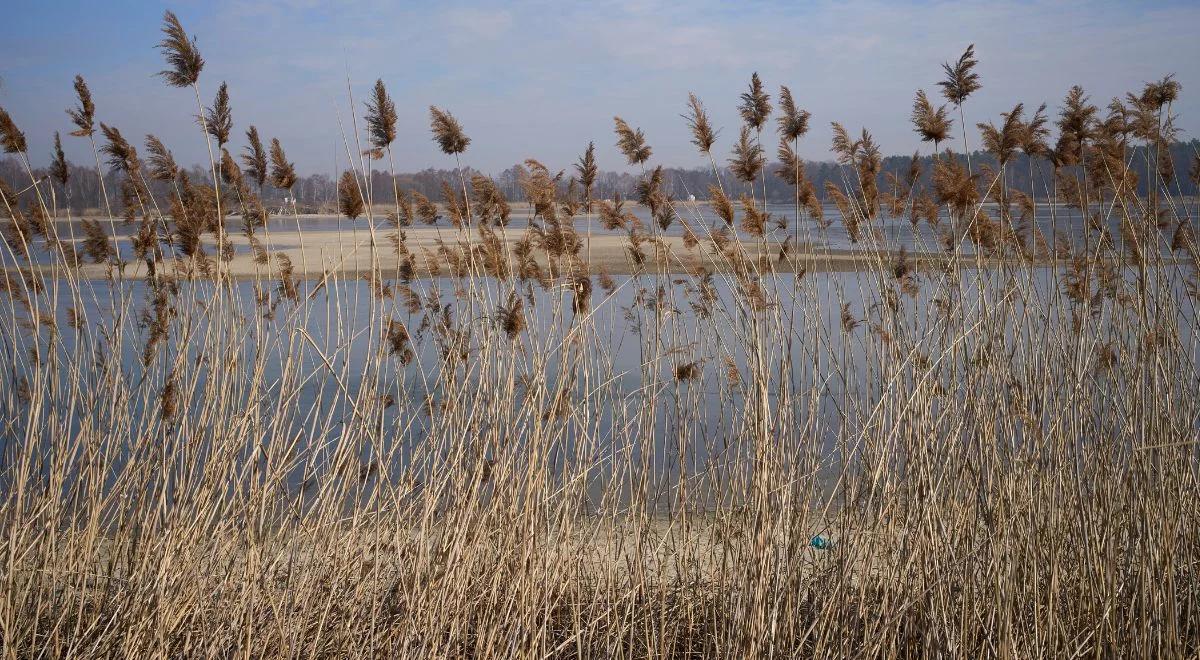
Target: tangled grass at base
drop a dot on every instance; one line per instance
(490, 447)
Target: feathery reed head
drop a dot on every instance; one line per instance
(511, 316)
(381, 117)
(793, 123)
(1162, 93)
(1076, 122)
(254, 157)
(83, 115)
(961, 80)
(350, 199)
(447, 132)
(11, 138)
(843, 145)
(721, 204)
(1033, 138)
(587, 169)
(122, 156)
(180, 52)
(756, 104)
(703, 135)
(954, 185)
(932, 125)
(748, 159)
(230, 172)
(791, 166)
(632, 143)
(219, 118)
(162, 163)
(283, 173)
(59, 171)
(1003, 142)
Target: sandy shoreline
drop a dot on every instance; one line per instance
(318, 254)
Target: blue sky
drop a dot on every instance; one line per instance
(540, 79)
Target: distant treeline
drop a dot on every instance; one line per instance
(318, 191)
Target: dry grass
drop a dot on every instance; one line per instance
(1001, 455)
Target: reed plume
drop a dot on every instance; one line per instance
(932, 125)
(219, 118)
(447, 132)
(1162, 93)
(843, 145)
(869, 165)
(1003, 142)
(350, 200)
(181, 54)
(756, 104)
(1035, 134)
(283, 173)
(11, 138)
(426, 210)
(791, 166)
(721, 204)
(381, 117)
(793, 122)
(587, 169)
(754, 220)
(632, 143)
(955, 186)
(490, 203)
(83, 115)
(1076, 126)
(613, 215)
(961, 80)
(161, 162)
(511, 315)
(455, 206)
(59, 170)
(122, 156)
(748, 159)
(652, 195)
(230, 172)
(703, 134)
(254, 158)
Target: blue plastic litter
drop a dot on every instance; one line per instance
(821, 543)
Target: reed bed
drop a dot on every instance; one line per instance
(991, 453)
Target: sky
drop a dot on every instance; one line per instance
(534, 79)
